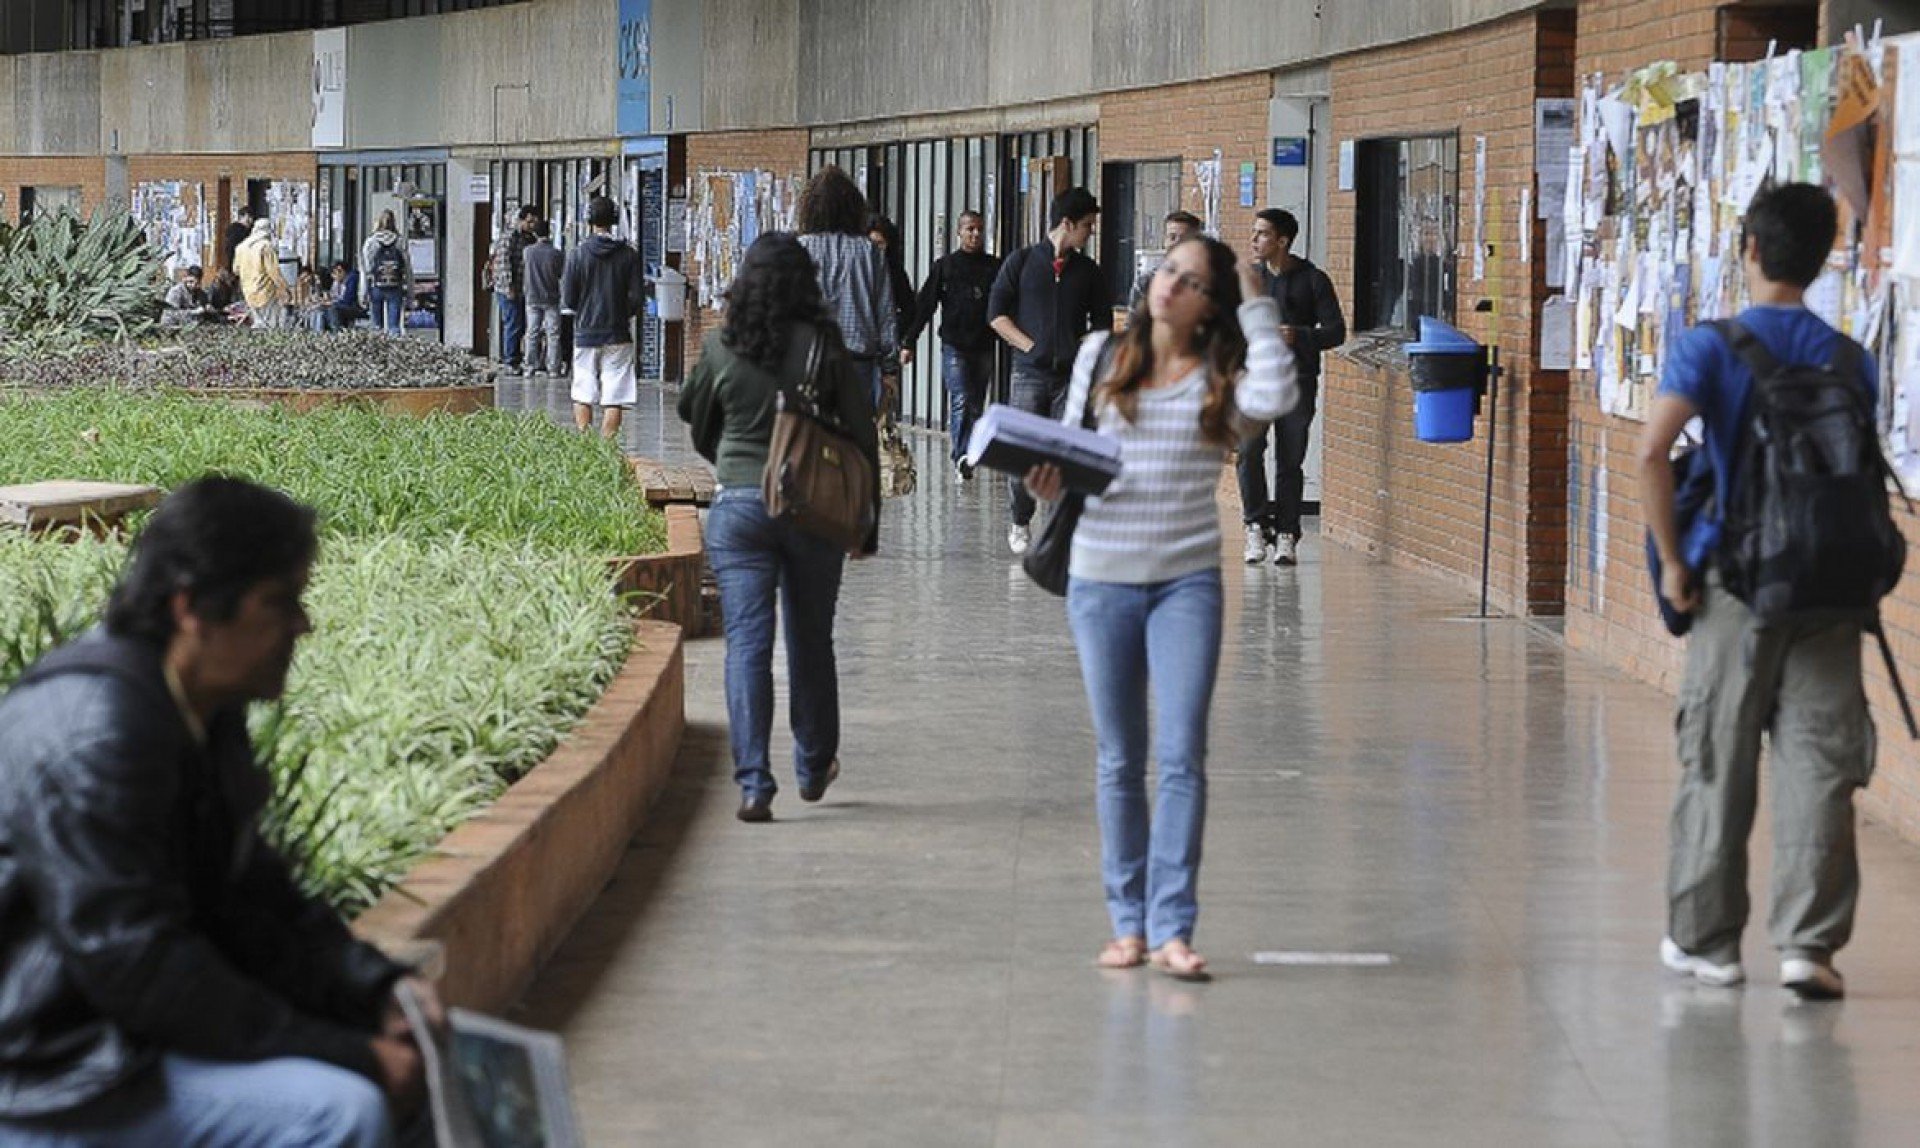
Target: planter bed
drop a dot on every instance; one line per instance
(408, 401)
(464, 624)
(499, 893)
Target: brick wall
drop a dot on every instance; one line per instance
(1610, 610)
(781, 152)
(1187, 122)
(1385, 492)
(88, 173)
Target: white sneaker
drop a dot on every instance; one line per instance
(1286, 551)
(1812, 981)
(1018, 539)
(961, 474)
(1700, 968)
(1256, 546)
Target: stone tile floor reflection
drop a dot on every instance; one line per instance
(909, 962)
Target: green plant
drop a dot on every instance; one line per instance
(438, 673)
(65, 282)
(491, 476)
(49, 593)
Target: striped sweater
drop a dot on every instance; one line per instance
(1158, 521)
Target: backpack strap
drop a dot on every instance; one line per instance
(1748, 348)
(1848, 359)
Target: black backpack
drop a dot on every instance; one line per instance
(389, 268)
(1808, 532)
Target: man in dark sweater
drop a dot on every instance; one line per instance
(959, 284)
(1310, 322)
(163, 980)
(542, 265)
(603, 288)
(1046, 298)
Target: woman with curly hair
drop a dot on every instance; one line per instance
(774, 316)
(832, 216)
(1200, 367)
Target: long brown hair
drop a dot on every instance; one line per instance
(1219, 342)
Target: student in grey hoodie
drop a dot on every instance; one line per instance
(386, 275)
(543, 265)
(853, 272)
(603, 287)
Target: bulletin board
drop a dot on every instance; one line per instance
(728, 210)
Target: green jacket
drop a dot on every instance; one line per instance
(729, 403)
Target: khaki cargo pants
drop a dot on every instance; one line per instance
(1799, 684)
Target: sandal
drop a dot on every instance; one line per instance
(1123, 953)
(1178, 961)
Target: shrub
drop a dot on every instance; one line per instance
(491, 476)
(65, 282)
(437, 674)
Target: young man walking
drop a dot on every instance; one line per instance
(1046, 298)
(604, 287)
(959, 284)
(543, 265)
(1796, 682)
(1310, 322)
(163, 980)
(507, 266)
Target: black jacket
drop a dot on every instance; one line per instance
(140, 912)
(604, 286)
(1307, 301)
(959, 285)
(1056, 312)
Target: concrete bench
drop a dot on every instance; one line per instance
(43, 506)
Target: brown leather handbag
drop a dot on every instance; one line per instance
(817, 476)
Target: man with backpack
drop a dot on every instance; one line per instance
(1781, 575)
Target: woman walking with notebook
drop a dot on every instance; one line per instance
(1201, 366)
(774, 316)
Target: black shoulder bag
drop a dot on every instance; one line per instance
(1047, 560)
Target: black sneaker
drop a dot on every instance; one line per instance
(755, 807)
(817, 788)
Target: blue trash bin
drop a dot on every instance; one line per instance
(1449, 374)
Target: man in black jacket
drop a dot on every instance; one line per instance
(162, 978)
(1046, 298)
(1310, 321)
(959, 284)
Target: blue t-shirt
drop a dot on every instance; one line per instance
(1702, 369)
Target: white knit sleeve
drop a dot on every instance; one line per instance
(1270, 385)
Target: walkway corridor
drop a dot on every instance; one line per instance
(1471, 811)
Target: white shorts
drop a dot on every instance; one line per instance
(603, 376)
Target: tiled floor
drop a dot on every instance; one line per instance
(910, 962)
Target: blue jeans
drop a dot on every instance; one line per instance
(1165, 635)
(1036, 392)
(513, 327)
(869, 369)
(753, 555)
(388, 303)
(286, 1103)
(966, 374)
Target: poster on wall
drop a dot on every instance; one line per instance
(633, 68)
(290, 207)
(330, 88)
(173, 215)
